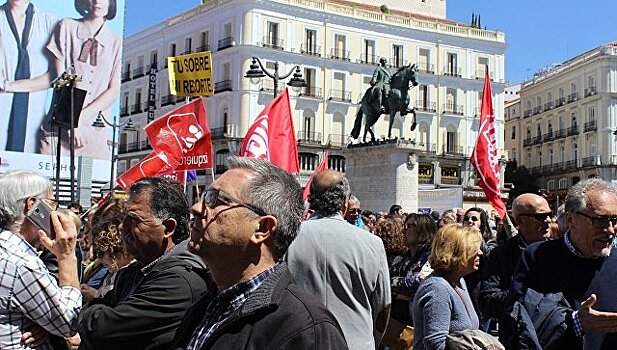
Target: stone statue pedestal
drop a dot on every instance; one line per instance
(383, 174)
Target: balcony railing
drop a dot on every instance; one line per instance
(126, 76)
(186, 52)
(168, 100)
(570, 165)
(138, 72)
(203, 48)
(537, 140)
(452, 71)
(527, 142)
(481, 73)
(536, 170)
(273, 43)
(453, 150)
(397, 63)
(340, 95)
(339, 54)
(426, 106)
(136, 108)
(221, 86)
(124, 111)
(311, 50)
(537, 110)
(134, 146)
(368, 58)
(527, 113)
(308, 137)
(218, 133)
(336, 140)
(591, 126)
(549, 136)
(548, 106)
(547, 168)
(426, 68)
(572, 97)
(589, 161)
(590, 91)
(450, 108)
(226, 42)
(310, 91)
(560, 102)
(560, 134)
(573, 130)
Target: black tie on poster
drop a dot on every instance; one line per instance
(61, 106)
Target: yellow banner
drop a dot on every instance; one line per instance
(191, 75)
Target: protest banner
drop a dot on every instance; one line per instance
(191, 75)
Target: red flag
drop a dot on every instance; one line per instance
(152, 165)
(484, 156)
(272, 136)
(322, 166)
(178, 176)
(183, 134)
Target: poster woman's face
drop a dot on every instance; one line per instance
(18, 3)
(99, 8)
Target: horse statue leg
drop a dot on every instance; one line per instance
(414, 124)
(355, 132)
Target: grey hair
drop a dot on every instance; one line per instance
(15, 187)
(277, 193)
(329, 201)
(354, 199)
(576, 197)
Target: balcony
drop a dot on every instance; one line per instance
(168, 100)
(589, 161)
(548, 168)
(426, 68)
(310, 138)
(310, 91)
(572, 97)
(218, 133)
(550, 136)
(138, 72)
(310, 50)
(339, 54)
(453, 150)
(536, 170)
(426, 106)
(452, 71)
(336, 140)
(560, 134)
(481, 73)
(124, 111)
(226, 43)
(570, 165)
(187, 51)
(367, 58)
(267, 86)
(272, 42)
(203, 48)
(573, 130)
(527, 113)
(126, 76)
(527, 142)
(537, 110)
(548, 106)
(134, 147)
(537, 140)
(590, 91)
(136, 108)
(340, 96)
(560, 102)
(590, 126)
(451, 108)
(222, 86)
(397, 62)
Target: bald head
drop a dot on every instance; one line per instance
(529, 203)
(530, 212)
(329, 192)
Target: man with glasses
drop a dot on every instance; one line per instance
(581, 265)
(151, 296)
(531, 212)
(343, 266)
(33, 303)
(242, 228)
(352, 215)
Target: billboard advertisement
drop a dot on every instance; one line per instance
(39, 41)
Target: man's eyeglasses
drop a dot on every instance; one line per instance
(472, 218)
(600, 221)
(354, 211)
(540, 217)
(212, 196)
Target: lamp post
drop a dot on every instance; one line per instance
(257, 71)
(100, 123)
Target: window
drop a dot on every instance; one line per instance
(188, 45)
(308, 126)
(368, 56)
(310, 44)
(528, 132)
(538, 130)
(450, 100)
(482, 64)
(397, 56)
(451, 142)
(591, 113)
(423, 97)
(575, 180)
(172, 49)
(219, 161)
(575, 153)
(424, 61)
(309, 77)
(154, 59)
(574, 123)
(550, 156)
(336, 162)
(513, 132)
(226, 71)
(562, 154)
(227, 30)
(308, 161)
(563, 183)
(205, 41)
(273, 35)
(452, 65)
(550, 128)
(550, 185)
(339, 51)
(538, 102)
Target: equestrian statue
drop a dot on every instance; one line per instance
(388, 94)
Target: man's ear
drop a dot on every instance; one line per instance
(264, 229)
(30, 201)
(170, 227)
(345, 204)
(569, 219)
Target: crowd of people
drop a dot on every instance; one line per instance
(246, 267)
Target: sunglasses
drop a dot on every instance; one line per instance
(540, 217)
(355, 211)
(472, 218)
(600, 221)
(212, 196)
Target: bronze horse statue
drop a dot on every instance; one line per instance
(397, 101)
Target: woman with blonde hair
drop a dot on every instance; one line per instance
(442, 304)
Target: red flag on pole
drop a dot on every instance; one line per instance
(183, 134)
(322, 166)
(484, 156)
(152, 165)
(272, 136)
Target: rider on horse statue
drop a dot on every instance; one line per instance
(381, 82)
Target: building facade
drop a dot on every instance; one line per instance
(337, 44)
(567, 114)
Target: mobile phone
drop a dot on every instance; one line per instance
(40, 215)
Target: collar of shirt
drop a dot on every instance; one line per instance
(571, 247)
(17, 241)
(146, 269)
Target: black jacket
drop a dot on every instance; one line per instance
(277, 315)
(143, 312)
(497, 276)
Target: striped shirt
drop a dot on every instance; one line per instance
(29, 292)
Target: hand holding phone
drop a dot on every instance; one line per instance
(40, 215)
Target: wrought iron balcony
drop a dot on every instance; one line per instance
(571, 165)
(560, 102)
(573, 130)
(124, 111)
(537, 140)
(591, 126)
(548, 106)
(590, 91)
(272, 43)
(126, 76)
(572, 97)
(311, 91)
(203, 48)
(426, 68)
(168, 100)
(589, 161)
(527, 113)
(452, 71)
(138, 72)
(308, 137)
(310, 50)
(397, 62)
(549, 136)
(426, 106)
(560, 134)
(454, 150)
(134, 146)
(537, 110)
(451, 108)
(226, 43)
(136, 108)
(222, 86)
(339, 54)
(481, 73)
(340, 95)
(368, 58)
(186, 52)
(336, 140)
(536, 170)
(527, 142)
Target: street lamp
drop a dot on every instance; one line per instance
(100, 123)
(257, 71)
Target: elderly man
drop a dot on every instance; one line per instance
(344, 266)
(353, 214)
(575, 265)
(531, 212)
(30, 298)
(150, 297)
(242, 228)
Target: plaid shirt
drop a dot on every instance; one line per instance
(223, 305)
(28, 291)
